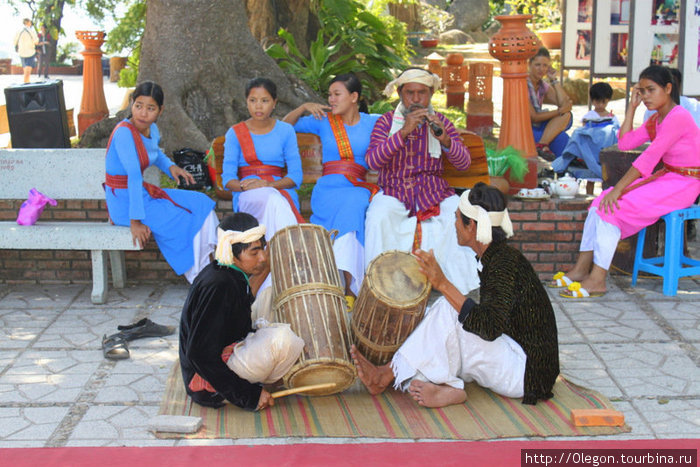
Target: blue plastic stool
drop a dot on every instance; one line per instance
(673, 264)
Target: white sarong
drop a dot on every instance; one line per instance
(440, 351)
(388, 227)
(269, 207)
(204, 244)
(350, 256)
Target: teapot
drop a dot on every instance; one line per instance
(565, 187)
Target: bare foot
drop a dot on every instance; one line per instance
(375, 378)
(434, 395)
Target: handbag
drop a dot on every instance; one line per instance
(193, 162)
(32, 208)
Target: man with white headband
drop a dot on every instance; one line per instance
(217, 314)
(408, 147)
(507, 342)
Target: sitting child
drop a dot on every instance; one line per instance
(599, 130)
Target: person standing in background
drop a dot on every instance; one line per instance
(25, 45)
(43, 49)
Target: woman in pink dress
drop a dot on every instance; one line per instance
(641, 197)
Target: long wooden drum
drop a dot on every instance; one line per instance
(390, 305)
(308, 295)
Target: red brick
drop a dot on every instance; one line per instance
(93, 205)
(80, 264)
(72, 254)
(9, 254)
(97, 215)
(18, 264)
(538, 226)
(556, 257)
(543, 267)
(531, 257)
(537, 247)
(569, 226)
(39, 274)
(523, 216)
(67, 215)
(574, 206)
(74, 204)
(36, 254)
(556, 216)
(74, 275)
(153, 265)
(568, 246)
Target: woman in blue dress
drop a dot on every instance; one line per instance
(183, 223)
(341, 196)
(255, 153)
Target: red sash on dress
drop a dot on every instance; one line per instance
(346, 166)
(255, 167)
(122, 181)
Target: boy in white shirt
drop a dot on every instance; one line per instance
(599, 130)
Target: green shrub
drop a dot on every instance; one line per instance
(350, 39)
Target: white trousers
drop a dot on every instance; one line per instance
(388, 227)
(601, 238)
(350, 256)
(440, 351)
(271, 209)
(204, 244)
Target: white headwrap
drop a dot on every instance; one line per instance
(419, 76)
(414, 75)
(226, 238)
(485, 219)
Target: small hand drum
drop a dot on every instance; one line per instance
(390, 305)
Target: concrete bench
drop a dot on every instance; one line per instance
(66, 174)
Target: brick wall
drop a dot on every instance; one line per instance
(548, 233)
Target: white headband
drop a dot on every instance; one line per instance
(419, 76)
(485, 219)
(226, 238)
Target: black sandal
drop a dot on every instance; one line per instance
(115, 347)
(144, 328)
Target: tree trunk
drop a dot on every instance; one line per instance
(203, 54)
(265, 17)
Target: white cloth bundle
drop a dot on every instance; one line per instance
(266, 355)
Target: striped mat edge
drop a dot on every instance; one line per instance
(355, 413)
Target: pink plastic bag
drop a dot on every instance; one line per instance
(31, 209)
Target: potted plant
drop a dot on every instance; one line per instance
(500, 161)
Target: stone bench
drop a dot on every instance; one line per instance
(66, 174)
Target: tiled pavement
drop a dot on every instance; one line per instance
(636, 346)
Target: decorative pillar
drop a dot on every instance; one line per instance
(454, 75)
(93, 106)
(434, 63)
(513, 45)
(480, 105)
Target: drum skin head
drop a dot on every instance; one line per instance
(396, 279)
(337, 371)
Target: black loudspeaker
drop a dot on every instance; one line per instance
(36, 113)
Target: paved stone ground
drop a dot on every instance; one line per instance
(636, 346)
